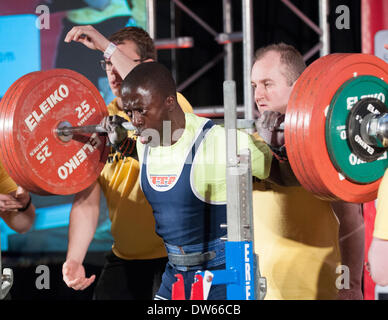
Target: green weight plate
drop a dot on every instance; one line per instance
(340, 152)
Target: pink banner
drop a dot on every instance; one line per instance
(374, 17)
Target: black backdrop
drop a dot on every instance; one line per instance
(272, 22)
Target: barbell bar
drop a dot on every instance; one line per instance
(50, 142)
(66, 132)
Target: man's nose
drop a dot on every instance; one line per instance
(259, 93)
(115, 73)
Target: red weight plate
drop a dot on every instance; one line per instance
(88, 112)
(319, 71)
(299, 105)
(296, 121)
(3, 148)
(293, 113)
(5, 157)
(13, 157)
(51, 165)
(339, 73)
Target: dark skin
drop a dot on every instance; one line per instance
(148, 109)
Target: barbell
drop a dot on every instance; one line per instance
(336, 129)
(31, 112)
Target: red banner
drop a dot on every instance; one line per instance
(374, 17)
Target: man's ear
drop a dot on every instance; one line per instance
(170, 103)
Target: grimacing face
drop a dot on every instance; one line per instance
(147, 112)
(271, 88)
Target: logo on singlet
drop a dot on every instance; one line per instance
(162, 181)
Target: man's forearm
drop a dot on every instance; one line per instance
(20, 222)
(351, 244)
(93, 39)
(122, 63)
(83, 222)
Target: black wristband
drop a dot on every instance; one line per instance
(26, 206)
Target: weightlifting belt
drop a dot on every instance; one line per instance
(191, 259)
(203, 255)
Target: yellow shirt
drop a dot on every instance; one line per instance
(296, 238)
(7, 185)
(133, 224)
(381, 220)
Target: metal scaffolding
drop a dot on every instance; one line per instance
(323, 46)
(227, 38)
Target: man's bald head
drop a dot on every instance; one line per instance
(149, 98)
(152, 76)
